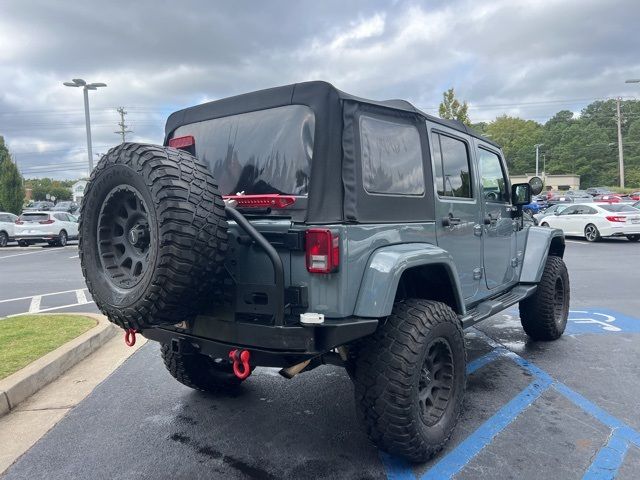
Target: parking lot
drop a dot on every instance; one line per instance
(566, 409)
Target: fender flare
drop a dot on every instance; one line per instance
(385, 268)
(539, 242)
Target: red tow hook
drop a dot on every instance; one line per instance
(240, 359)
(130, 337)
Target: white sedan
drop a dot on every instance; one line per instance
(56, 228)
(594, 221)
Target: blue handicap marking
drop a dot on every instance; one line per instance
(601, 320)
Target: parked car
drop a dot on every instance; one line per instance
(595, 221)
(542, 201)
(7, 227)
(556, 199)
(579, 196)
(636, 205)
(609, 198)
(69, 207)
(559, 207)
(594, 191)
(40, 206)
(55, 228)
(635, 196)
(531, 208)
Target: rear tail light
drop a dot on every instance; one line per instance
(46, 222)
(616, 218)
(322, 250)
(182, 142)
(19, 222)
(262, 201)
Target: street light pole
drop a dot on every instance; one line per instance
(87, 121)
(79, 82)
(538, 145)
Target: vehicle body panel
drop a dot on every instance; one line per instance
(7, 224)
(32, 230)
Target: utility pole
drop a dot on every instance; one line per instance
(620, 151)
(123, 128)
(538, 145)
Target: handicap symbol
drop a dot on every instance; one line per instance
(600, 320)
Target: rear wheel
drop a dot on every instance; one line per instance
(4, 239)
(633, 238)
(198, 371)
(62, 239)
(152, 235)
(544, 314)
(544, 224)
(23, 243)
(591, 233)
(410, 378)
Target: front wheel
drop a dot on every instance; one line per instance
(23, 243)
(200, 372)
(633, 238)
(410, 379)
(4, 239)
(591, 233)
(544, 314)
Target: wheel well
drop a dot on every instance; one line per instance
(63, 230)
(557, 247)
(429, 282)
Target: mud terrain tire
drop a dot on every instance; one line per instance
(153, 235)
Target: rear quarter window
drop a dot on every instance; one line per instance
(391, 157)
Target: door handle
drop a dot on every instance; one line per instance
(450, 221)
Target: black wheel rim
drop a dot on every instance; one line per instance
(124, 236)
(435, 386)
(558, 300)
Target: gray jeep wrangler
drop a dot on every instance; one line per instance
(299, 226)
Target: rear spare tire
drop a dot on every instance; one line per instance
(153, 234)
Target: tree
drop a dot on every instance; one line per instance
(11, 189)
(41, 187)
(450, 108)
(517, 138)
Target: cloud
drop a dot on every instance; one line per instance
(159, 56)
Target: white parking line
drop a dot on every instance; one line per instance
(49, 309)
(41, 295)
(34, 306)
(75, 256)
(575, 241)
(27, 253)
(82, 298)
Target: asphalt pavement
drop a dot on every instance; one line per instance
(42, 279)
(563, 409)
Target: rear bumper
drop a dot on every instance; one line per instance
(621, 230)
(272, 346)
(44, 237)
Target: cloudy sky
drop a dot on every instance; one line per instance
(529, 58)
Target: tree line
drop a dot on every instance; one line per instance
(585, 144)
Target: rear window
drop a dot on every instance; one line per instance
(619, 208)
(268, 151)
(34, 217)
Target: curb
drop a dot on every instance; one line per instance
(25, 382)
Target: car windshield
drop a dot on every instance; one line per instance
(33, 217)
(619, 208)
(62, 206)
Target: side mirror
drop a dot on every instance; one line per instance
(521, 194)
(536, 185)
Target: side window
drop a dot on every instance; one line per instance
(494, 184)
(4, 218)
(60, 216)
(391, 157)
(569, 211)
(589, 210)
(453, 172)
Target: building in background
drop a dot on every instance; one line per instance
(77, 190)
(551, 182)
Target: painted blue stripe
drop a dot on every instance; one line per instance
(485, 359)
(456, 460)
(396, 468)
(588, 406)
(608, 460)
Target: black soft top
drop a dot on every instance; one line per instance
(285, 95)
(335, 192)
